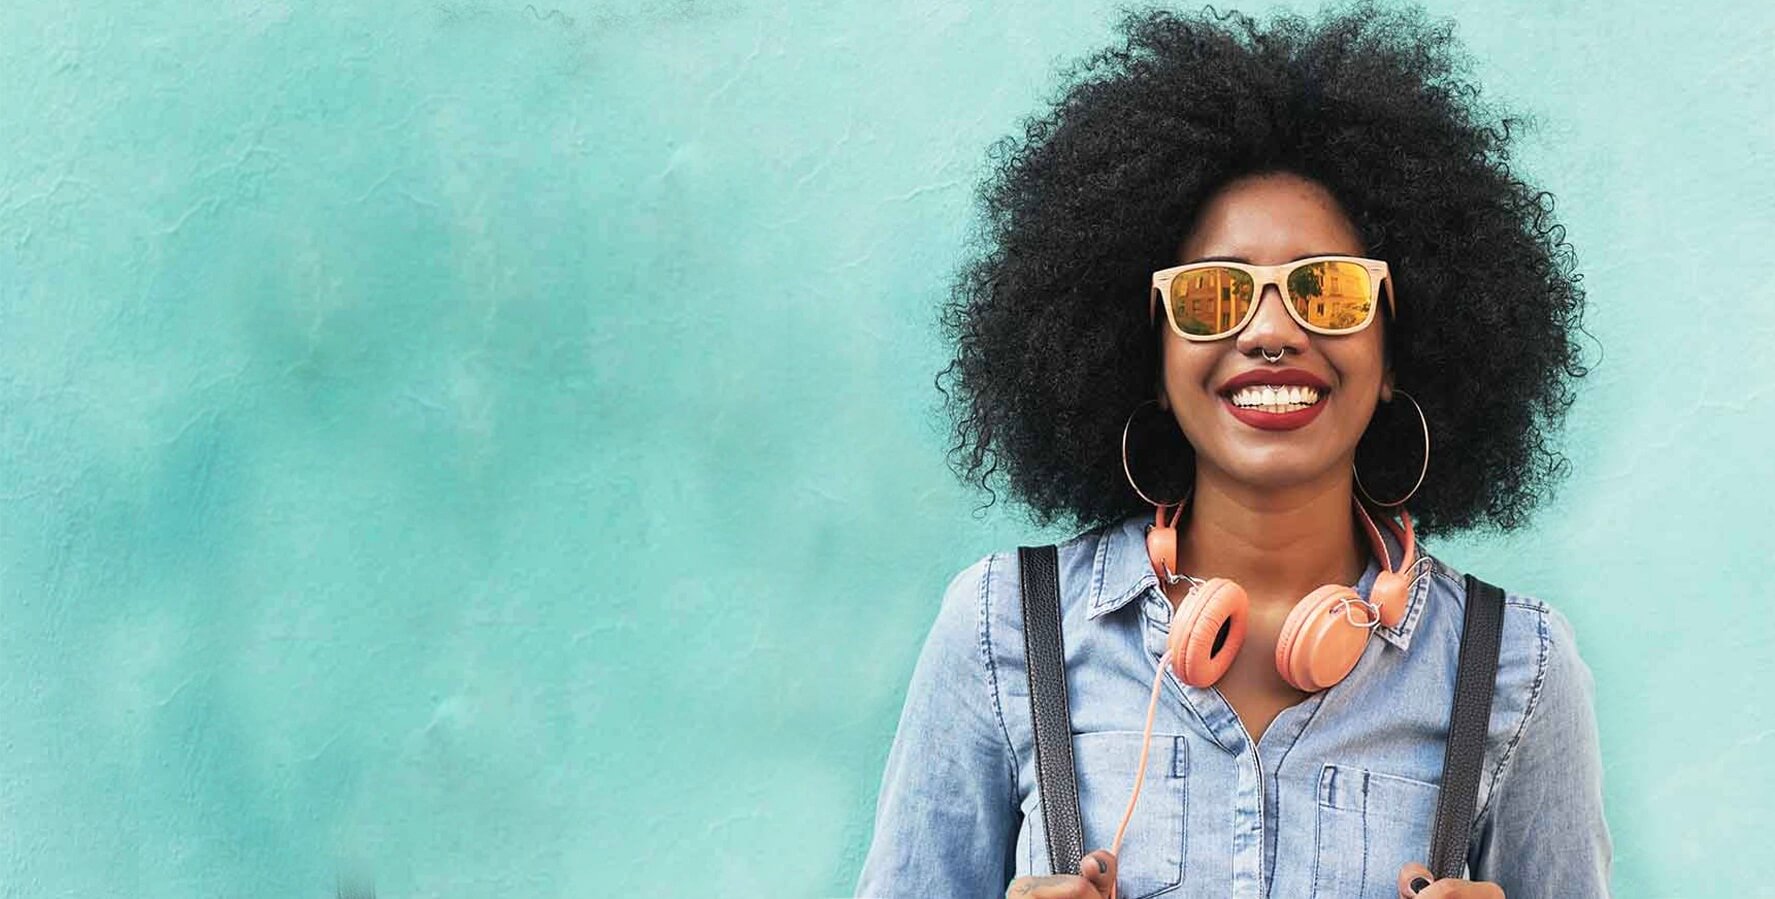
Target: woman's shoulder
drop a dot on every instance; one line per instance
(1527, 616)
(1542, 684)
(1094, 566)
(1542, 735)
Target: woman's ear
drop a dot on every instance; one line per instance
(1387, 386)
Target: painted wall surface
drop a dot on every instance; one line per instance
(491, 446)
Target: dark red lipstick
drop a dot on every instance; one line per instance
(1279, 377)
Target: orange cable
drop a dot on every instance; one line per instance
(1146, 737)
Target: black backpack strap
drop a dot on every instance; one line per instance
(1046, 661)
(1464, 751)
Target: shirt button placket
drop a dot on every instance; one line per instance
(1228, 732)
(1248, 824)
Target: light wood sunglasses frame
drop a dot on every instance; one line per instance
(1262, 276)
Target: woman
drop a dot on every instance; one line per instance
(1321, 207)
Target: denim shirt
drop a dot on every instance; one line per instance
(1338, 793)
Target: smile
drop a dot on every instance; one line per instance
(1275, 407)
(1274, 398)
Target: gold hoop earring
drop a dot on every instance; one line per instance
(1128, 473)
(1422, 470)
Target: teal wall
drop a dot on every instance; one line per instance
(491, 446)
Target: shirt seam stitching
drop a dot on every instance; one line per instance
(1098, 567)
(987, 652)
(1364, 877)
(1534, 703)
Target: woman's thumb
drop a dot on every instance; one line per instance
(1412, 878)
(1100, 869)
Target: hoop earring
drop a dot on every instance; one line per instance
(1423, 470)
(1129, 474)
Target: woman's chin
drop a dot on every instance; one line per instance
(1271, 469)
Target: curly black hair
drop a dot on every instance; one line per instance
(1048, 314)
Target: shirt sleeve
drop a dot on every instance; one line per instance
(947, 813)
(1543, 833)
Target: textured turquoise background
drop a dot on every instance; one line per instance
(491, 447)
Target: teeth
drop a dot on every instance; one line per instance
(1275, 398)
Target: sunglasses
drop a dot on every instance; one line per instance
(1328, 295)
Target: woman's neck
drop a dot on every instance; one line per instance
(1277, 544)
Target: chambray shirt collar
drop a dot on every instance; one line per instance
(1120, 572)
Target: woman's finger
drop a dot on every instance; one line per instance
(1450, 888)
(1052, 886)
(1413, 878)
(1416, 882)
(1099, 867)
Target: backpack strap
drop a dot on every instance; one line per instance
(1464, 750)
(1046, 662)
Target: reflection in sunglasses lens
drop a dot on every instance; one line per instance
(1210, 301)
(1331, 295)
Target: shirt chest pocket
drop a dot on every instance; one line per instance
(1370, 825)
(1153, 847)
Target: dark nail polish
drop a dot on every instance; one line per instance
(1417, 884)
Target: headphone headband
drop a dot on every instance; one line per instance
(1405, 535)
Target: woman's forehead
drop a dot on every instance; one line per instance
(1270, 219)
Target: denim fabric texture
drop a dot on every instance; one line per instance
(1336, 796)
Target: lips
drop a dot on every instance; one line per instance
(1281, 377)
(1274, 421)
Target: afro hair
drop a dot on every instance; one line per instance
(1048, 313)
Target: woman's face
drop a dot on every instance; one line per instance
(1267, 220)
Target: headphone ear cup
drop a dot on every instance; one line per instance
(1388, 593)
(1318, 645)
(1207, 631)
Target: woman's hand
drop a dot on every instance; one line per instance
(1099, 874)
(1428, 887)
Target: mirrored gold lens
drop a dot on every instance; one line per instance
(1211, 300)
(1331, 295)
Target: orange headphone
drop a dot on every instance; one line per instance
(1320, 643)
(1324, 635)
